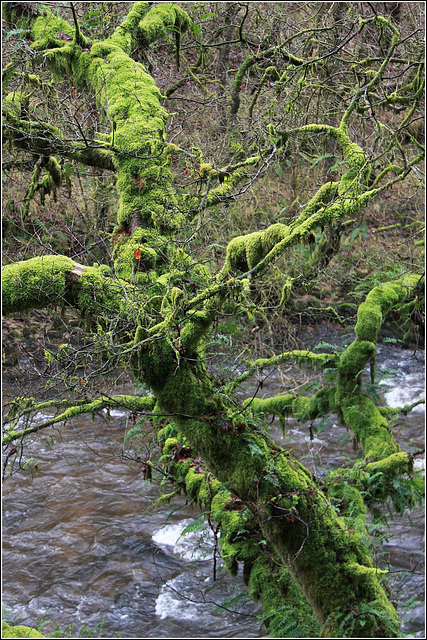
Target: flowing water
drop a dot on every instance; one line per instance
(80, 546)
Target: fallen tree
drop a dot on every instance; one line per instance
(316, 573)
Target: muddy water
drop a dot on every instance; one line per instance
(79, 546)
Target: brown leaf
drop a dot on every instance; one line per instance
(140, 182)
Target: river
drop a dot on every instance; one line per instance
(79, 546)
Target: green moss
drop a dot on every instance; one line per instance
(19, 631)
(248, 62)
(131, 101)
(209, 486)
(379, 303)
(392, 465)
(369, 426)
(35, 283)
(44, 27)
(49, 26)
(244, 252)
(181, 470)
(160, 20)
(96, 296)
(193, 481)
(133, 403)
(377, 482)
(323, 196)
(12, 103)
(273, 585)
(169, 445)
(231, 176)
(47, 280)
(351, 366)
(358, 411)
(154, 362)
(145, 268)
(54, 170)
(126, 34)
(369, 318)
(303, 408)
(345, 486)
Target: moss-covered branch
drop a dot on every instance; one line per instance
(303, 408)
(130, 99)
(376, 481)
(254, 253)
(249, 62)
(37, 138)
(46, 140)
(300, 356)
(38, 282)
(229, 177)
(367, 421)
(59, 281)
(377, 75)
(160, 20)
(390, 411)
(132, 403)
(359, 412)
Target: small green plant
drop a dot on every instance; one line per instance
(72, 630)
(369, 615)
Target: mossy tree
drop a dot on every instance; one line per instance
(157, 305)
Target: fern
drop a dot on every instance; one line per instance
(133, 432)
(288, 622)
(199, 524)
(236, 602)
(372, 613)
(17, 32)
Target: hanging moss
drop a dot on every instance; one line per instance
(303, 408)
